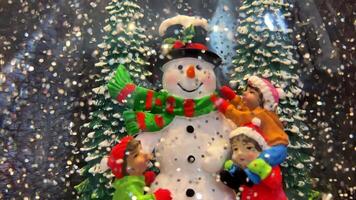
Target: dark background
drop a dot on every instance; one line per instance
(47, 54)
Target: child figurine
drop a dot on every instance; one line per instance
(259, 100)
(247, 142)
(128, 163)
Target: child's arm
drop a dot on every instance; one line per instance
(275, 155)
(239, 117)
(235, 179)
(229, 180)
(231, 96)
(262, 166)
(273, 128)
(122, 88)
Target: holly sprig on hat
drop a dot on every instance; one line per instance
(183, 38)
(186, 36)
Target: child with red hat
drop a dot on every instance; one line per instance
(259, 100)
(247, 142)
(129, 164)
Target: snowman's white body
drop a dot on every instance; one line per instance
(191, 150)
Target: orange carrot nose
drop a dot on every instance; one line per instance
(191, 71)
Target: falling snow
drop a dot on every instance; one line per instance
(52, 67)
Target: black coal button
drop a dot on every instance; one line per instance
(190, 192)
(190, 129)
(191, 159)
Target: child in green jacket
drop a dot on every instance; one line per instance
(129, 163)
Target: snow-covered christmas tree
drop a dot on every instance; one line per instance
(124, 43)
(264, 48)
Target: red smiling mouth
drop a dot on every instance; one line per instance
(189, 90)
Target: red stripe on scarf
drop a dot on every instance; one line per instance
(189, 107)
(213, 98)
(149, 97)
(140, 118)
(158, 102)
(159, 121)
(128, 89)
(170, 104)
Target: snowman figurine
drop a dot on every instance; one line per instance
(180, 123)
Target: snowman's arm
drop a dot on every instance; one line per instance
(135, 97)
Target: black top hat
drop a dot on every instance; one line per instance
(188, 42)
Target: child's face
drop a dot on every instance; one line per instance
(137, 161)
(251, 97)
(243, 152)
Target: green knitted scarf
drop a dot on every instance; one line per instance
(151, 111)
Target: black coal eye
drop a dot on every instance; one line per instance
(180, 67)
(198, 67)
